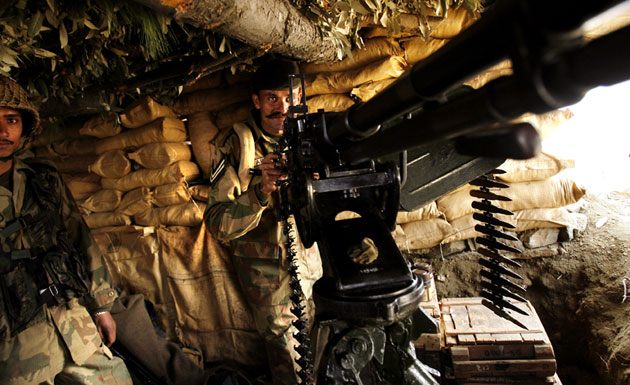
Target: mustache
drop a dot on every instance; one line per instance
(275, 115)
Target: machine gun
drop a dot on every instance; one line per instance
(418, 139)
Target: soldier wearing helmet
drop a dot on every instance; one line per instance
(55, 291)
(240, 214)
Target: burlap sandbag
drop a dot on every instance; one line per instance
(144, 111)
(548, 123)
(202, 130)
(111, 164)
(427, 211)
(79, 146)
(219, 321)
(81, 186)
(456, 21)
(199, 192)
(417, 48)
(213, 80)
(210, 100)
(160, 155)
(340, 82)
(177, 172)
(133, 258)
(161, 130)
(540, 167)
(186, 214)
(102, 126)
(74, 164)
(548, 193)
(528, 219)
(96, 220)
(366, 91)
(422, 234)
(102, 201)
(231, 114)
(373, 50)
(171, 194)
(329, 102)
(135, 201)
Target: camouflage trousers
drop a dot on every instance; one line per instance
(265, 283)
(40, 354)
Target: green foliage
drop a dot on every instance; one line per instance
(340, 20)
(62, 48)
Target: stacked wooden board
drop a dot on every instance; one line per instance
(488, 349)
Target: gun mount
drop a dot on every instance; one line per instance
(418, 139)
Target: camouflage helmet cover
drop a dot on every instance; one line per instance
(15, 97)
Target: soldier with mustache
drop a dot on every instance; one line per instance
(240, 214)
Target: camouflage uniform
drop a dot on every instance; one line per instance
(52, 344)
(242, 217)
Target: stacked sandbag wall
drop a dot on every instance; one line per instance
(542, 201)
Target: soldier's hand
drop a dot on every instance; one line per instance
(271, 173)
(106, 327)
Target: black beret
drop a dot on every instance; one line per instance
(274, 75)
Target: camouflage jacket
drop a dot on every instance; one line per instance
(242, 216)
(20, 203)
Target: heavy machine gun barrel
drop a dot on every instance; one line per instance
(552, 67)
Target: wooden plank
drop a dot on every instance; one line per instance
(496, 352)
(507, 337)
(511, 380)
(539, 368)
(538, 338)
(466, 339)
(460, 353)
(484, 338)
(544, 351)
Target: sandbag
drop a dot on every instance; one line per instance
(329, 102)
(102, 126)
(96, 220)
(540, 167)
(408, 26)
(177, 172)
(417, 48)
(133, 258)
(366, 91)
(548, 193)
(78, 146)
(210, 100)
(202, 130)
(503, 68)
(231, 114)
(199, 192)
(171, 194)
(427, 211)
(161, 130)
(213, 80)
(186, 214)
(102, 201)
(219, 321)
(546, 124)
(111, 164)
(456, 21)
(372, 50)
(161, 154)
(340, 82)
(135, 201)
(81, 186)
(422, 234)
(144, 111)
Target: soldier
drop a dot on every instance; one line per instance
(240, 214)
(55, 291)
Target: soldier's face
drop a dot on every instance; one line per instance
(10, 130)
(273, 106)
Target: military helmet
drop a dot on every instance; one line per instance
(15, 97)
(274, 75)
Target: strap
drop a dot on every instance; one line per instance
(248, 154)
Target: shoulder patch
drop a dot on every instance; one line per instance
(218, 171)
